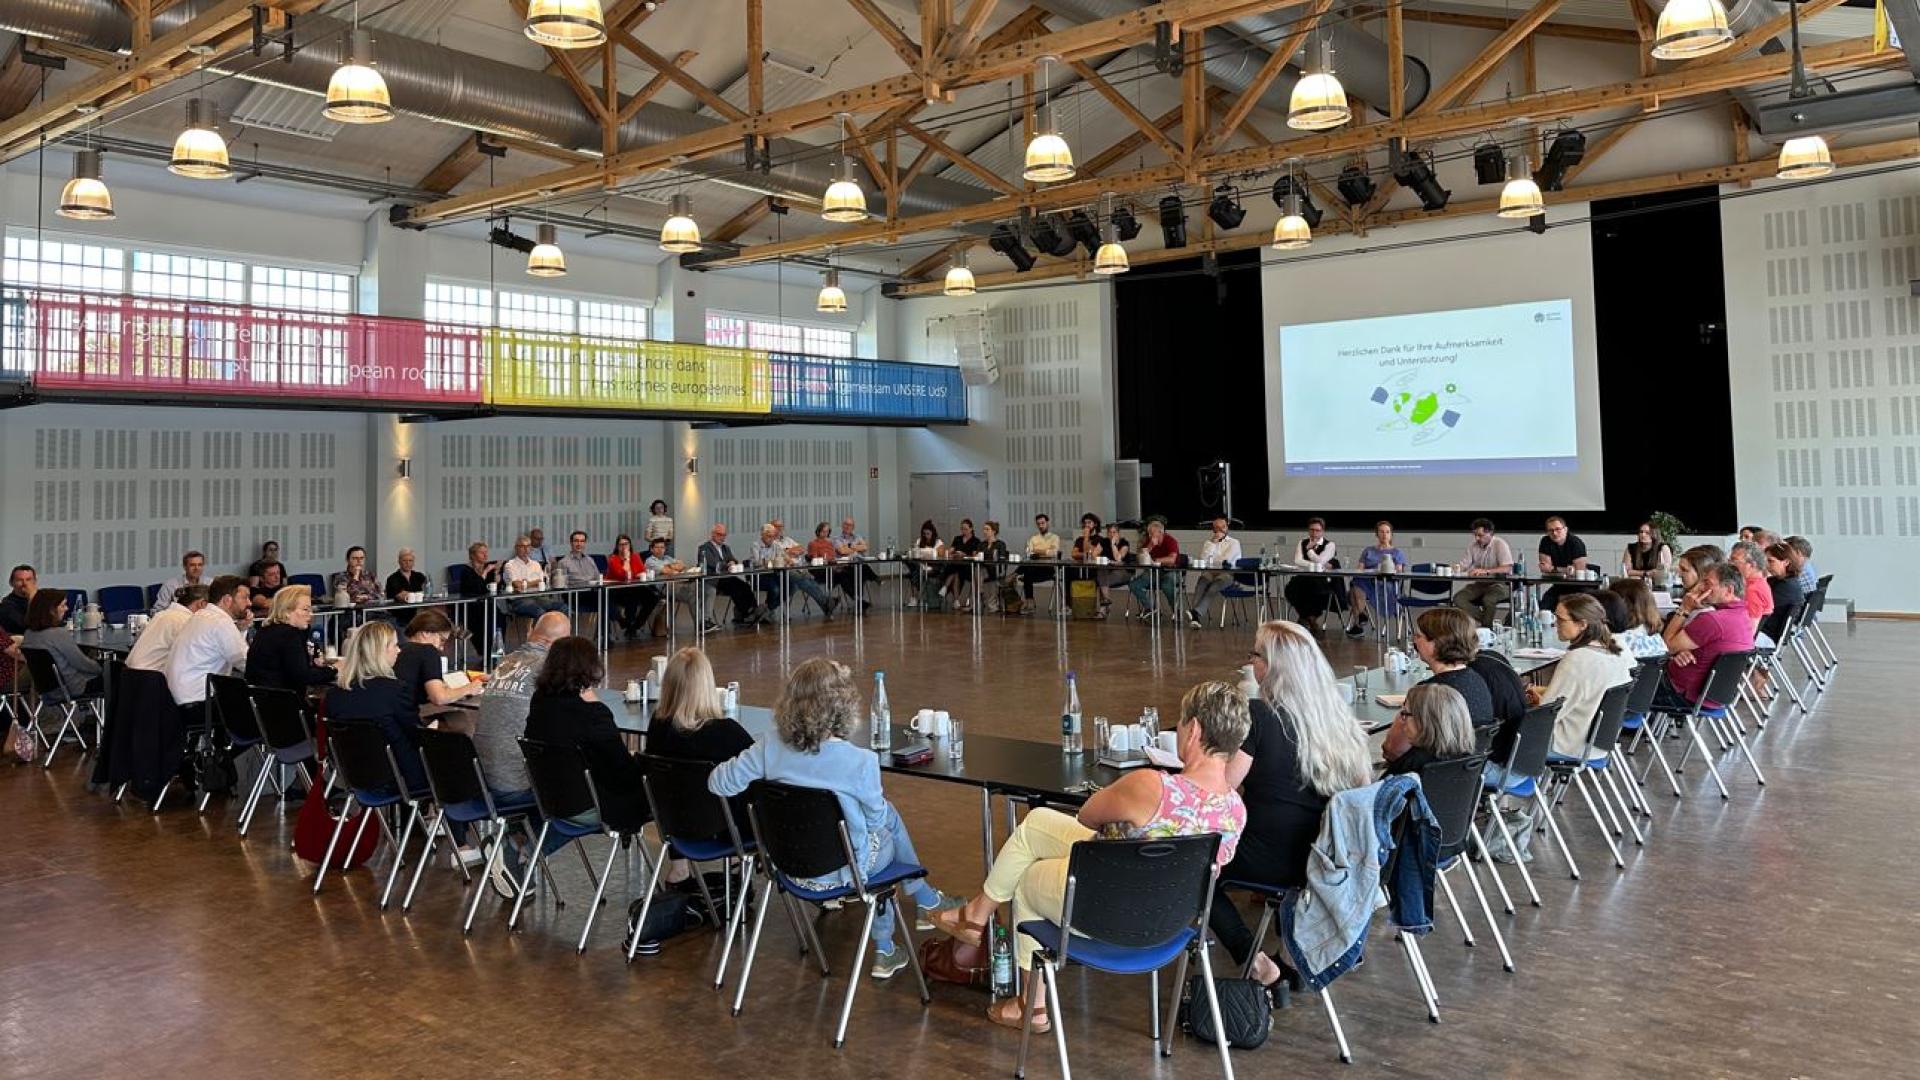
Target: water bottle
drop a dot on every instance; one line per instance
(1070, 719)
(880, 716)
(1002, 963)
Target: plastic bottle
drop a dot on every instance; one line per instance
(1070, 719)
(880, 716)
(1002, 968)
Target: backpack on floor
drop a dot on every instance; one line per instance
(1010, 599)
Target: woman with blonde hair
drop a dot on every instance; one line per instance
(1303, 746)
(691, 721)
(283, 655)
(817, 709)
(1434, 725)
(365, 689)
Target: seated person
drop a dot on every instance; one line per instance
(776, 553)
(631, 607)
(1447, 640)
(691, 723)
(1303, 746)
(1031, 868)
(576, 564)
(1594, 663)
(1710, 622)
(565, 711)
(957, 580)
(817, 708)
(154, 647)
(660, 564)
(1042, 546)
(192, 566)
(80, 674)
(1157, 548)
(1509, 696)
(500, 721)
(1368, 593)
(1647, 558)
(22, 583)
(1787, 594)
(1310, 594)
(851, 546)
(422, 662)
(269, 554)
(1432, 725)
(273, 578)
(524, 574)
(1747, 555)
(1488, 562)
(993, 557)
(716, 557)
(365, 689)
(1115, 575)
(356, 579)
(1561, 554)
(1803, 568)
(928, 546)
(1219, 550)
(479, 574)
(822, 548)
(1640, 634)
(406, 579)
(283, 654)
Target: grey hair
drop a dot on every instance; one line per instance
(1440, 720)
(818, 703)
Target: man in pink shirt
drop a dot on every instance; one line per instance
(1747, 555)
(1708, 624)
(1158, 549)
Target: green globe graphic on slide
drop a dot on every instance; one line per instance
(1428, 411)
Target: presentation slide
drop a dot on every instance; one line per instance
(1477, 391)
(1436, 368)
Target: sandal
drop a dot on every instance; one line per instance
(1013, 1018)
(952, 922)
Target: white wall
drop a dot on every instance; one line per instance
(1825, 383)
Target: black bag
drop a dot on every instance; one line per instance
(1247, 1005)
(214, 771)
(672, 914)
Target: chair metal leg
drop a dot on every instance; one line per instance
(1603, 784)
(495, 855)
(1694, 730)
(1173, 1006)
(1553, 826)
(646, 905)
(399, 852)
(434, 829)
(599, 893)
(1506, 958)
(1339, 1034)
(1758, 776)
(255, 793)
(1034, 981)
(1213, 1002)
(853, 973)
(753, 943)
(1421, 980)
(1259, 939)
(1153, 1008)
(326, 860)
(1579, 783)
(736, 914)
(1500, 822)
(1453, 902)
(1060, 1028)
(536, 856)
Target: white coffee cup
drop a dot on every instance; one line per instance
(1346, 692)
(415, 597)
(634, 693)
(1101, 560)
(1169, 742)
(942, 723)
(492, 587)
(659, 668)
(1120, 738)
(1013, 558)
(923, 721)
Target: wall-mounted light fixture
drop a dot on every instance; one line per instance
(693, 465)
(404, 468)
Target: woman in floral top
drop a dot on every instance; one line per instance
(1031, 869)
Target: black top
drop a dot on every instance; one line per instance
(1099, 544)
(967, 546)
(1473, 688)
(1787, 595)
(1416, 758)
(258, 568)
(1509, 696)
(474, 582)
(1562, 555)
(416, 666)
(13, 614)
(281, 659)
(1283, 813)
(717, 740)
(400, 582)
(569, 721)
(385, 700)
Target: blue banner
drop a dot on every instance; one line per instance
(866, 389)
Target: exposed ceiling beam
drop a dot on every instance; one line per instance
(220, 27)
(1574, 31)
(889, 31)
(1878, 153)
(961, 43)
(928, 138)
(19, 80)
(654, 86)
(1460, 120)
(459, 164)
(939, 258)
(1476, 70)
(738, 224)
(1282, 55)
(1769, 30)
(1099, 37)
(672, 71)
(1119, 101)
(1105, 159)
(1598, 148)
(1643, 33)
(756, 58)
(1396, 61)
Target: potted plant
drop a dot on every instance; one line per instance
(1669, 529)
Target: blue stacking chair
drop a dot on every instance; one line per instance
(1243, 587)
(1520, 780)
(364, 764)
(460, 796)
(699, 826)
(1603, 736)
(119, 601)
(1724, 683)
(76, 600)
(803, 835)
(153, 596)
(1638, 718)
(564, 789)
(1452, 789)
(282, 716)
(1132, 907)
(1423, 593)
(314, 582)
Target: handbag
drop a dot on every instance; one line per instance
(314, 828)
(671, 915)
(1246, 1005)
(949, 960)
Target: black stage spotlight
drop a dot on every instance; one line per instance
(1225, 209)
(1489, 164)
(1173, 222)
(1415, 174)
(1355, 185)
(507, 238)
(1007, 242)
(1084, 231)
(1125, 225)
(1302, 191)
(1049, 234)
(1569, 145)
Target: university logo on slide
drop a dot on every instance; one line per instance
(1428, 412)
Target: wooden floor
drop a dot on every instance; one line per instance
(1772, 936)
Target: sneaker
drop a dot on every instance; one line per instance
(1193, 618)
(472, 856)
(885, 964)
(505, 883)
(924, 923)
(912, 603)
(647, 948)
(1357, 630)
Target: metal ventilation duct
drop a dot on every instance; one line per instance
(437, 83)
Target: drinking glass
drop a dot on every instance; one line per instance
(1359, 681)
(956, 739)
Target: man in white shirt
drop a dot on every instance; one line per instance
(1489, 561)
(1309, 594)
(154, 647)
(210, 643)
(191, 567)
(524, 573)
(1219, 550)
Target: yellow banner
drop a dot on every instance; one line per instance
(566, 371)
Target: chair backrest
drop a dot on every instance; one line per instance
(1138, 893)
(1534, 740)
(1427, 586)
(282, 717)
(358, 751)
(1821, 582)
(1646, 685)
(234, 705)
(453, 767)
(601, 562)
(1453, 790)
(314, 582)
(799, 828)
(1724, 678)
(1816, 603)
(559, 776)
(41, 672)
(456, 578)
(120, 600)
(153, 594)
(1248, 580)
(683, 808)
(1604, 735)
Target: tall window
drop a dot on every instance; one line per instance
(58, 265)
(460, 305)
(604, 320)
(746, 332)
(189, 277)
(302, 290)
(536, 311)
(470, 305)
